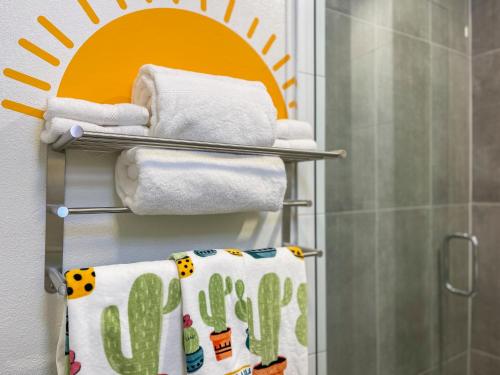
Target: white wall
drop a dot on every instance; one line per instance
(29, 318)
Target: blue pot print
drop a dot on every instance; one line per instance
(194, 361)
(269, 252)
(205, 253)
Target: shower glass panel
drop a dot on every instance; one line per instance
(397, 98)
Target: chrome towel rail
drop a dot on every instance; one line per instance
(63, 211)
(58, 282)
(77, 138)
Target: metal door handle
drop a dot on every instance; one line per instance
(446, 264)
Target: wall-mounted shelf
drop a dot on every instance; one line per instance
(78, 139)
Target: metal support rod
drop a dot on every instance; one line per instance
(58, 281)
(63, 211)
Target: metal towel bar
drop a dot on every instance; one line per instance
(58, 282)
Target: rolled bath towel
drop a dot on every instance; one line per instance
(294, 129)
(55, 127)
(201, 107)
(300, 144)
(170, 182)
(125, 114)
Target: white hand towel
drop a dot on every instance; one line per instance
(274, 302)
(201, 107)
(294, 129)
(125, 319)
(124, 114)
(169, 182)
(57, 126)
(300, 144)
(214, 338)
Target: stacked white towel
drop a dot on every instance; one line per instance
(201, 107)
(295, 134)
(123, 114)
(57, 126)
(169, 182)
(63, 113)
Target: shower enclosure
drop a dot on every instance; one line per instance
(412, 92)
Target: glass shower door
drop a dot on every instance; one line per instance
(397, 98)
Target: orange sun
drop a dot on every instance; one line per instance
(104, 67)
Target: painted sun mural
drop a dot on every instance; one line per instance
(103, 68)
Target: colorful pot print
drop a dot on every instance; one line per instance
(269, 252)
(192, 349)
(278, 367)
(205, 253)
(297, 251)
(222, 344)
(80, 282)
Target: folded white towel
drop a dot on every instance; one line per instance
(273, 300)
(300, 144)
(125, 319)
(169, 182)
(214, 338)
(53, 128)
(294, 129)
(125, 114)
(201, 107)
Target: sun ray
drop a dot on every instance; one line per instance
(281, 62)
(24, 78)
(203, 5)
(56, 33)
(269, 44)
(253, 27)
(122, 4)
(89, 11)
(229, 11)
(292, 81)
(37, 51)
(22, 108)
(292, 104)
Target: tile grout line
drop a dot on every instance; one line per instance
(376, 225)
(486, 354)
(400, 33)
(397, 209)
(471, 182)
(434, 304)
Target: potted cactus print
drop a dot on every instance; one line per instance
(221, 335)
(270, 302)
(145, 316)
(192, 348)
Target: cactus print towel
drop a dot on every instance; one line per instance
(124, 319)
(244, 312)
(273, 301)
(214, 339)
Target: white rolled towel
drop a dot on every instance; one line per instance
(124, 114)
(299, 144)
(294, 129)
(170, 182)
(202, 107)
(55, 127)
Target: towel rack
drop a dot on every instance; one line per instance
(78, 139)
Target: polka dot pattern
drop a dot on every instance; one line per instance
(80, 282)
(185, 267)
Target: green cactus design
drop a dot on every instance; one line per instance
(301, 324)
(145, 315)
(241, 306)
(191, 340)
(270, 304)
(217, 294)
